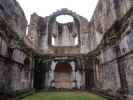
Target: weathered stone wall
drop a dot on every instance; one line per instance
(106, 14)
(115, 59)
(16, 69)
(45, 73)
(77, 77)
(40, 34)
(14, 17)
(126, 48)
(109, 69)
(16, 61)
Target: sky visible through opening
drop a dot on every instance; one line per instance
(44, 8)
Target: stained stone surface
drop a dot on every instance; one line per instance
(16, 63)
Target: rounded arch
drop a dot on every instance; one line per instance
(63, 67)
(52, 20)
(63, 75)
(63, 12)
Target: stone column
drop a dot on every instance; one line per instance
(51, 73)
(73, 74)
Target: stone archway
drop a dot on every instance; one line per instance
(63, 76)
(58, 33)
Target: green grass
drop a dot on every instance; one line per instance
(63, 96)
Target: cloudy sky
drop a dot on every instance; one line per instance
(45, 7)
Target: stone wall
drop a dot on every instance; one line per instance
(106, 14)
(16, 61)
(12, 14)
(115, 59)
(42, 29)
(45, 73)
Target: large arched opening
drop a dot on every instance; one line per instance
(63, 76)
(64, 34)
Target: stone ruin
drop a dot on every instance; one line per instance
(82, 55)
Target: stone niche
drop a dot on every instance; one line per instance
(63, 74)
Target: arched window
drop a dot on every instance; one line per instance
(65, 31)
(64, 19)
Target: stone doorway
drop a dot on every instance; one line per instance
(63, 76)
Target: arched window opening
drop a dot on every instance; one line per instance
(65, 31)
(64, 19)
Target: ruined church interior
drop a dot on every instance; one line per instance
(95, 55)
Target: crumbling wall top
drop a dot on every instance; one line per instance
(12, 14)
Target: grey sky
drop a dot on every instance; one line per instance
(45, 7)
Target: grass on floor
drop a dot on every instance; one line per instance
(63, 96)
